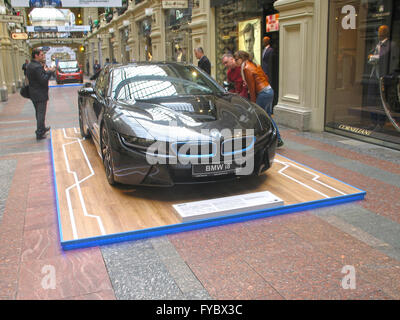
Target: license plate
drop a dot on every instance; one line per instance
(213, 169)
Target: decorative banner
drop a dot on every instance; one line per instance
(175, 4)
(66, 3)
(73, 28)
(272, 23)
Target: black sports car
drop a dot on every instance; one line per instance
(167, 123)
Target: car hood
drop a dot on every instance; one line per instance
(186, 118)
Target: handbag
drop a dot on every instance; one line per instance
(25, 90)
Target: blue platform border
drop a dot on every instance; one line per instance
(199, 224)
(66, 85)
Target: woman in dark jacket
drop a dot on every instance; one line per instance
(260, 90)
(38, 76)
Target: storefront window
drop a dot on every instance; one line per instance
(363, 52)
(178, 34)
(145, 47)
(124, 35)
(232, 15)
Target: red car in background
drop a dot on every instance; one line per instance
(68, 71)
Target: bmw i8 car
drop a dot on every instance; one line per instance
(166, 123)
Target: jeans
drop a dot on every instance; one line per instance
(40, 107)
(265, 99)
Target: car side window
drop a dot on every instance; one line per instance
(100, 84)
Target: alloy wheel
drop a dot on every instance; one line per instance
(107, 156)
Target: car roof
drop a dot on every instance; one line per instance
(145, 63)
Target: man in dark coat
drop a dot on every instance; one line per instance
(204, 63)
(38, 76)
(25, 65)
(267, 55)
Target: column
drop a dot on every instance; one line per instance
(6, 58)
(158, 32)
(3, 84)
(302, 65)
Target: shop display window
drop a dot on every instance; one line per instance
(228, 17)
(363, 90)
(178, 34)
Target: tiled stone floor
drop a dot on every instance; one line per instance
(297, 256)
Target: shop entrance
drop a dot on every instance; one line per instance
(364, 39)
(179, 45)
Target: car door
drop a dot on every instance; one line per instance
(94, 106)
(100, 104)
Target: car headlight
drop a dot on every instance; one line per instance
(136, 142)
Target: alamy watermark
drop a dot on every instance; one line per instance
(349, 280)
(218, 150)
(350, 20)
(49, 280)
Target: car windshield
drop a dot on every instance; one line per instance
(146, 82)
(68, 65)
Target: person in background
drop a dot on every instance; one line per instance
(204, 63)
(24, 66)
(234, 75)
(38, 75)
(267, 54)
(96, 67)
(260, 90)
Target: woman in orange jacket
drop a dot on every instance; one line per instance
(257, 82)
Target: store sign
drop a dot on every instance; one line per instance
(73, 28)
(66, 3)
(272, 23)
(19, 36)
(10, 18)
(175, 4)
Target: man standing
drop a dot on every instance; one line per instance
(267, 55)
(96, 67)
(204, 63)
(234, 75)
(38, 75)
(24, 66)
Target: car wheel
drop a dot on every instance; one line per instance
(107, 155)
(84, 133)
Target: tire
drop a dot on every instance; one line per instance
(107, 155)
(84, 133)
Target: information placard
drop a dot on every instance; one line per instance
(228, 205)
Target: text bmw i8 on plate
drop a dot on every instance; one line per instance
(161, 124)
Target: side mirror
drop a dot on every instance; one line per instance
(228, 86)
(87, 90)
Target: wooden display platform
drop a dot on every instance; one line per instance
(91, 212)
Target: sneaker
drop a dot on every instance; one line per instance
(280, 143)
